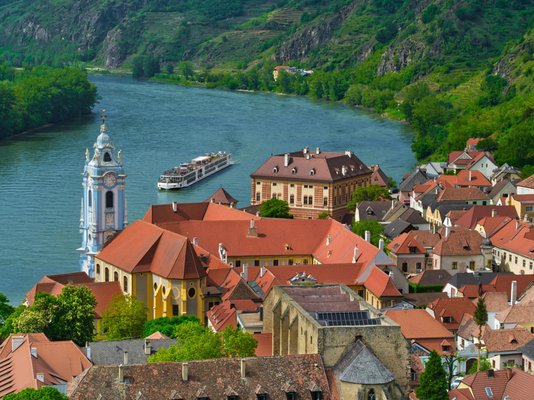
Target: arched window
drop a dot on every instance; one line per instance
(90, 198)
(98, 269)
(125, 283)
(106, 274)
(115, 276)
(107, 157)
(371, 394)
(109, 199)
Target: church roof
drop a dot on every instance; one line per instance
(361, 366)
(143, 247)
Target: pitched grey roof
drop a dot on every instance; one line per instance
(498, 187)
(359, 365)
(528, 349)
(413, 217)
(461, 279)
(112, 351)
(413, 179)
(397, 227)
(375, 210)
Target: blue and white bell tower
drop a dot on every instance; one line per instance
(103, 211)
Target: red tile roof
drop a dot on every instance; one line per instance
(461, 194)
(222, 315)
(470, 178)
(59, 362)
(516, 237)
(143, 247)
(460, 242)
(503, 283)
(221, 196)
(265, 344)
(499, 340)
(326, 167)
(524, 198)
(527, 182)
(454, 308)
(404, 243)
(419, 326)
(473, 141)
(471, 217)
(508, 384)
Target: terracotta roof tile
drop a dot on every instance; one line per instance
(454, 308)
(527, 182)
(498, 340)
(461, 194)
(221, 196)
(472, 216)
(459, 242)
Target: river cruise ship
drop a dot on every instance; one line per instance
(186, 174)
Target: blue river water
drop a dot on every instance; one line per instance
(158, 126)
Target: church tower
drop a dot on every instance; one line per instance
(103, 211)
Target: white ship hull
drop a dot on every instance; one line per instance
(169, 182)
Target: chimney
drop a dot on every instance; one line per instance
(88, 351)
(121, 374)
(470, 175)
(16, 341)
(368, 236)
(516, 224)
(513, 293)
(195, 241)
(244, 273)
(447, 230)
(381, 244)
(174, 206)
(286, 159)
(493, 212)
(33, 351)
(262, 271)
(243, 368)
(307, 156)
(252, 229)
(148, 348)
(185, 371)
(317, 150)
(222, 253)
(305, 150)
(125, 357)
(355, 254)
(328, 239)
(348, 153)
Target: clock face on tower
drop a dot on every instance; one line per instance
(110, 179)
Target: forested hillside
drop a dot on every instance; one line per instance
(453, 69)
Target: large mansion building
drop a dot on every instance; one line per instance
(312, 182)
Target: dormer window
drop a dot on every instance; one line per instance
(261, 396)
(232, 397)
(447, 320)
(291, 395)
(107, 157)
(317, 395)
(312, 171)
(275, 169)
(489, 392)
(293, 170)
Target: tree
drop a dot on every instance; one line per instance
(275, 208)
(5, 309)
(450, 362)
(359, 228)
(124, 318)
(480, 318)
(186, 69)
(166, 326)
(238, 343)
(8, 327)
(433, 382)
(484, 366)
(324, 215)
(369, 193)
(44, 393)
(194, 342)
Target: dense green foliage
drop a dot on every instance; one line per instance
(68, 316)
(31, 98)
(44, 393)
(481, 319)
(368, 193)
(166, 326)
(484, 366)
(124, 318)
(433, 381)
(275, 208)
(359, 228)
(5, 309)
(198, 342)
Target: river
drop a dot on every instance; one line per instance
(158, 126)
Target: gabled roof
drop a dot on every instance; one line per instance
(516, 237)
(460, 279)
(459, 242)
(416, 177)
(503, 283)
(360, 366)
(524, 198)
(59, 362)
(455, 308)
(211, 378)
(419, 326)
(496, 190)
(461, 193)
(431, 277)
(109, 352)
(143, 247)
(405, 244)
(471, 217)
(378, 177)
(326, 167)
(472, 178)
(397, 227)
(527, 182)
(517, 314)
(375, 210)
(499, 340)
(221, 196)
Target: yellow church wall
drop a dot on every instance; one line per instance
(283, 259)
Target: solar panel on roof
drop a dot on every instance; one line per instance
(346, 318)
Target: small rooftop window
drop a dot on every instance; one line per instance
(275, 169)
(489, 392)
(317, 395)
(293, 170)
(291, 395)
(312, 171)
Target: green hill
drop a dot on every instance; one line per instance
(453, 69)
